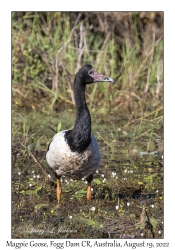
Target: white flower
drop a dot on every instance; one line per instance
(83, 179)
(92, 189)
(93, 208)
(113, 174)
(152, 205)
(34, 176)
(131, 171)
(104, 179)
(19, 173)
(33, 172)
(142, 234)
(49, 175)
(96, 171)
(128, 204)
(159, 232)
(102, 176)
(70, 216)
(30, 185)
(125, 171)
(117, 207)
(38, 176)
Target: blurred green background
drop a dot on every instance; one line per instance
(48, 48)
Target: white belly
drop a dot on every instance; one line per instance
(75, 165)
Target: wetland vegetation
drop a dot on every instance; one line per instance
(48, 48)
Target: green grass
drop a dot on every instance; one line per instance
(127, 118)
(52, 47)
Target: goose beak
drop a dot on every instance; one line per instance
(108, 79)
(98, 77)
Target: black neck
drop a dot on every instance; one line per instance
(79, 137)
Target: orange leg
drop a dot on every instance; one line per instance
(89, 194)
(58, 190)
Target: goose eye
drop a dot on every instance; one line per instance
(91, 72)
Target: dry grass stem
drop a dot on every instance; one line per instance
(35, 160)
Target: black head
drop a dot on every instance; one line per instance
(88, 75)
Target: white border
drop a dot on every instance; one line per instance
(5, 96)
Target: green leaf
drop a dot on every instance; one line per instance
(149, 178)
(93, 223)
(80, 193)
(98, 181)
(36, 191)
(154, 222)
(59, 127)
(38, 206)
(26, 192)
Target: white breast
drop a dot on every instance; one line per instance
(75, 165)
